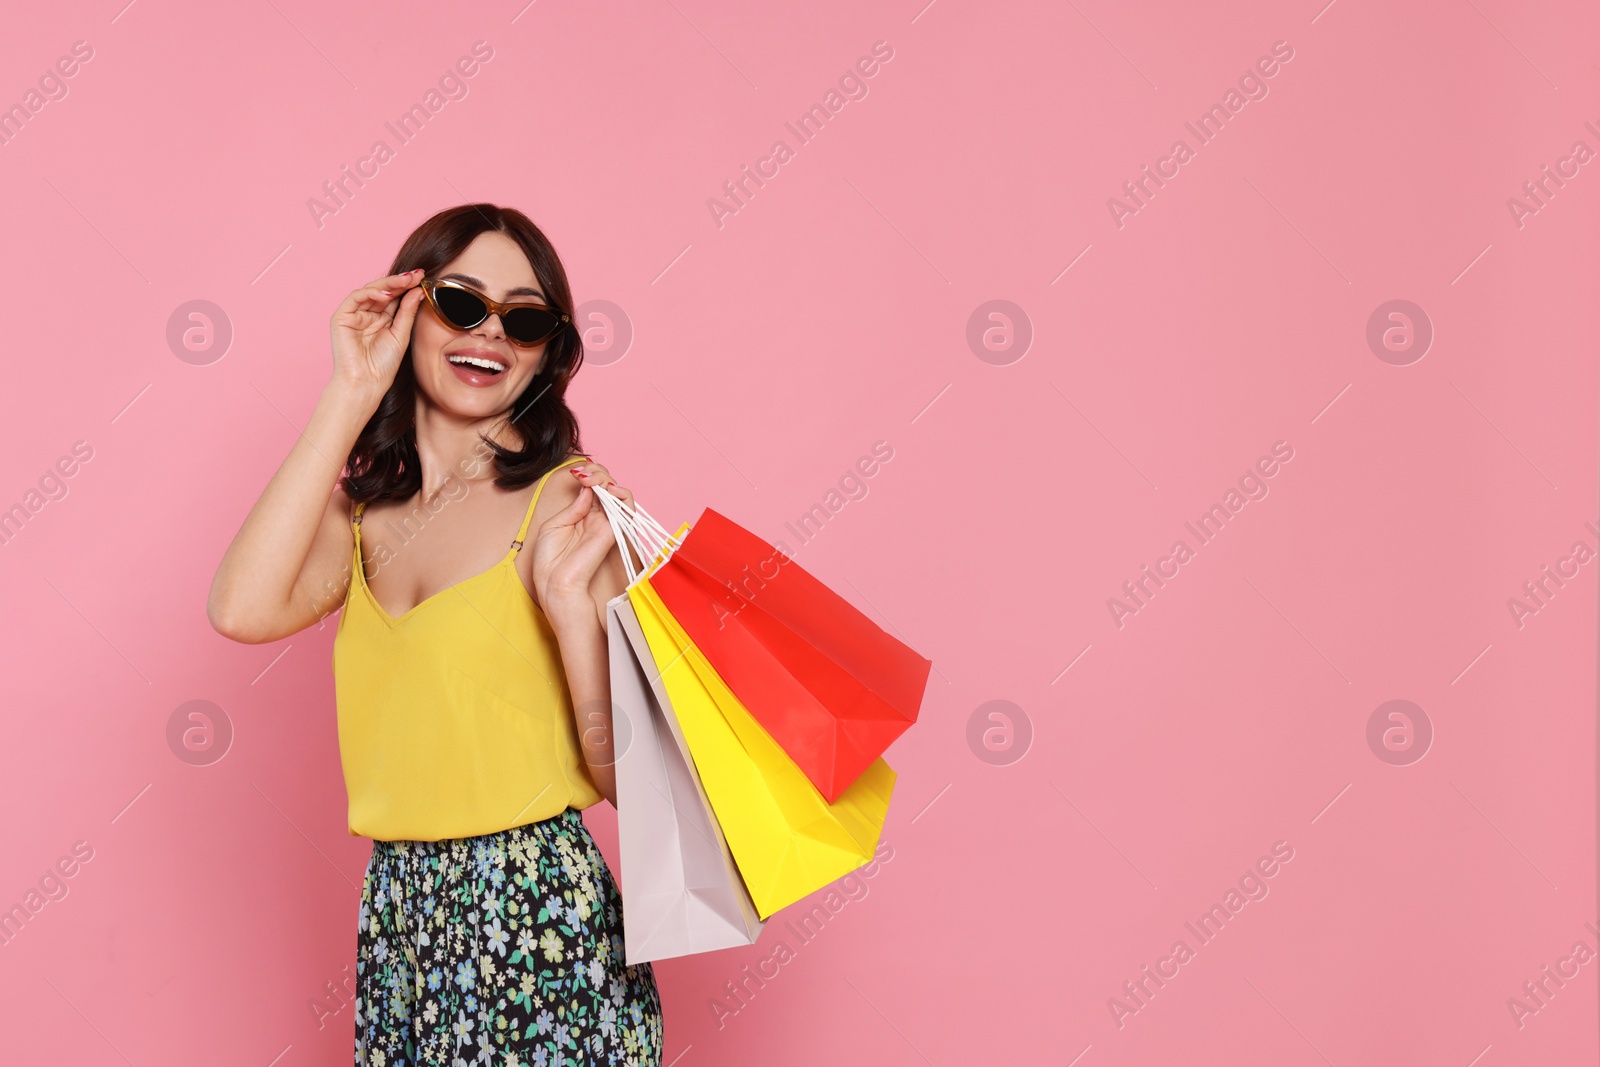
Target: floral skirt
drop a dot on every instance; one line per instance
(499, 949)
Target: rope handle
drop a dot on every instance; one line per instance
(638, 528)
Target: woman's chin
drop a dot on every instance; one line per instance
(466, 401)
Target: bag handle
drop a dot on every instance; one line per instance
(639, 517)
(637, 528)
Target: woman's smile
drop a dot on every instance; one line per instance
(476, 365)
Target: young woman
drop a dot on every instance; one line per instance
(471, 676)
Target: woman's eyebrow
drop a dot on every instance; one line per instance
(521, 290)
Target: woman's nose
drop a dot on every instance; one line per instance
(490, 328)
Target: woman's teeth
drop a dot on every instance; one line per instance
(473, 361)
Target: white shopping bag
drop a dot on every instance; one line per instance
(681, 892)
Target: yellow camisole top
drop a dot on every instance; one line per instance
(454, 718)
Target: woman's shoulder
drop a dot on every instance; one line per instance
(560, 488)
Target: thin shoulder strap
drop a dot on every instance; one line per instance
(359, 509)
(522, 533)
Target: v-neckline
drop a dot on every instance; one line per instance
(395, 620)
(511, 554)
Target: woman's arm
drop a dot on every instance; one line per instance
(585, 656)
(577, 569)
(289, 564)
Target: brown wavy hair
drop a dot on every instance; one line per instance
(383, 462)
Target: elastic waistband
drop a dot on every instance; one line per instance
(561, 820)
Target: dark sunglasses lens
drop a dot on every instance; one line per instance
(462, 308)
(531, 325)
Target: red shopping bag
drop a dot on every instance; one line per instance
(831, 687)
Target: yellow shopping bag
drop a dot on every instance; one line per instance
(786, 839)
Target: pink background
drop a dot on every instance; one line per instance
(829, 313)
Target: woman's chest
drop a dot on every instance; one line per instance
(406, 565)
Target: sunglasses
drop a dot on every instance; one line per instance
(525, 324)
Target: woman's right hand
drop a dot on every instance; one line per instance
(371, 331)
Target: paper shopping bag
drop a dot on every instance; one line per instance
(787, 840)
(830, 686)
(681, 891)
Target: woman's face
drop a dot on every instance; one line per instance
(494, 265)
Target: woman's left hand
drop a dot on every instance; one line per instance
(571, 546)
(592, 474)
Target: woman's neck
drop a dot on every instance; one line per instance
(449, 447)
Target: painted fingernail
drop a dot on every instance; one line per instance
(384, 292)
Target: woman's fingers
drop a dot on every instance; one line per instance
(597, 541)
(395, 281)
(368, 300)
(384, 289)
(592, 474)
(579, 536)
(405, 313)
(572, 514)
(379, 292)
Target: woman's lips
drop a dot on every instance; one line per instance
(475, 375)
